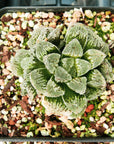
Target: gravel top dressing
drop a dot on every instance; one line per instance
(26, 116)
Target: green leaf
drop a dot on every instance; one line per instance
(55, 106)
(78, 85)
(44, 32)
(74, 101)
(93, 93)
(74, 116)
(82, 66)
(39, 78)
(16, 62)
(69, 66)
(95, 79)
(26, 62)
(96, 42)
(43, 48)
(61, 75)
(38, 34)
(31, 91)
(54, 36)
(15, 67)
(67, 63)
(51, 61)
(79, 32)
(73, 49)
(21, 54)
(95, 57)
(53, 89)
(23, 89)
(106, 70)
(32, 41)
(29, 66)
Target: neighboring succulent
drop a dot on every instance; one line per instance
(66, 80)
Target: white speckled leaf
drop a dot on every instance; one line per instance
(73, 49)
(95, 79)
(95, 57)
(54, 89)
(68, 65)
(39, 78)
(51, 61)
(55, 106)
(106, 70)
(44, 48)
(54, 35)
(79, 32)
(93, 93)
(61, 75)
(82, 66)
(78, 85)
(74, 101)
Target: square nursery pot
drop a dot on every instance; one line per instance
(54, 9)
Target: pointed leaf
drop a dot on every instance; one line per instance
(29, 66)
(31, 91)
(78, 85)
(73, 49)
(15, 67)
(39, 78)
(44, 32)
(51, 61)
(26, 62)
(21, 54)
(32, 41)
(16, 62)
(96, 42)
(53, 89)
(68, 65)
(79, 32)
(23, 89)
(61, 75)
(82, 66)
(95, 57)
(54, 36)
(95, 79)
(55, 106)
(93, 93)
(74, 116)
(106, 70)
(38, 34)
(44, 48)
(74, 101)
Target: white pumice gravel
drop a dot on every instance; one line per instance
(14, 109)
(30, 134)
(11, 88)
(19, 121)
(31, 23)
(105, 125)
(3, 111)
(15, 97)
(24, 119)
(39, 121)
(12, 28)
(14, 15)
(44, 133)
(91, 119)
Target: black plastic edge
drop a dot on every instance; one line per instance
(51, 8)
(45, 139)
(54, 9)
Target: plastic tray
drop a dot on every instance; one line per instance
(50, 139)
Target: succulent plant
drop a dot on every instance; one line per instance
(65, 79)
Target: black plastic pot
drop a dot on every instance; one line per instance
(44, 139)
